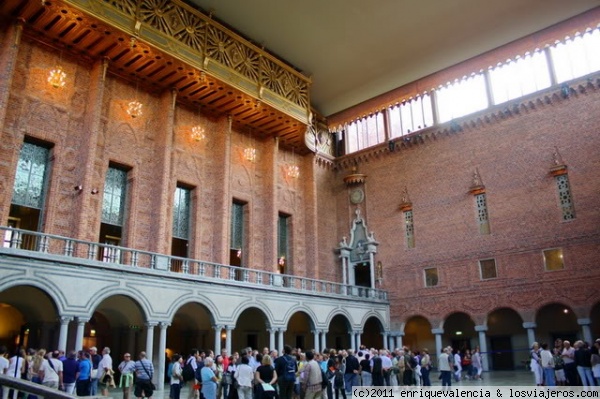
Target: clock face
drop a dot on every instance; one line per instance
(357, 196)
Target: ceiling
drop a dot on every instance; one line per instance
(355, 50)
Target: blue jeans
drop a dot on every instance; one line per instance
(549, 380)
(587, 378)
(350, 380)
(94, 387)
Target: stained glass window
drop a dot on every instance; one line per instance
(181, 213)
(282, 242)
(237, 226)
(30, 178)
(113, 202)
(410, 229)
(482, 214)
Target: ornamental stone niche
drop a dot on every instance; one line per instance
(358, 255)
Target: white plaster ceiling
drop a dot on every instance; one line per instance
(357, 49)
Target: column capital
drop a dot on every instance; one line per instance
(272, 330)
(229, 328)
(584, 322)
(65, 319)
(529, 324)
(151, 324)
(481, 328)
(436, 331)
(315, 331)
(164, 325)
(82, 320)
(281, 330)
(217, 327)
(323, 331)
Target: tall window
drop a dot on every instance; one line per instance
(30, 187)
(238, 236)
(181, 225)
(410, 116)
(283, 242)
(577, 56)
(564, 196)
(365, 132)
(113, 212)
(518, 77)
(482, 214)
(462, 97)
(409, 229)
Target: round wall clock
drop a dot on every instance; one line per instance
(357, 196)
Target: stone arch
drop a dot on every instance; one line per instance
(417, 333)
(372, 328)
(339, 327)
(301, 308)
(459, 331)
(186, 298)
(508, 345)
(298, 333)
(248, 332)
(192, 326)
(265, 310)
(556, 320)
(29, 317)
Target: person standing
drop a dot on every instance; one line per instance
(3, 369)
(95, 358)
(244, 376)
(312, 378)
(445, 368)
(547, 362)
(568, 355)
(351, 373)
(127, 369)
(144, 370)
(105, 369)
(176, 377)
(83, 376)
(583, 361)
(51, 371)
(425, 367)
(70, 372)
(536, 364)
(286, 367)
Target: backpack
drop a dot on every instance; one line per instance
(290, 368)
(188, 371)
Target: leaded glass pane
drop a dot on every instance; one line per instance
(431, 277)
(564, 194)
(410, 229)
(31, 176)
(282, 235)
(181, 213)
(113, 203)
(237, 225)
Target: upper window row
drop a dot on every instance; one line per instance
(538, 70)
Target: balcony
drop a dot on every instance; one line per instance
(48, 247)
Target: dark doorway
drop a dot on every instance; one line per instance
(461, 344)
(362, 275)
(502, 353)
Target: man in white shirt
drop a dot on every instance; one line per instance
(52, 371)
(3, 368)
(386, 364)
(105, 368)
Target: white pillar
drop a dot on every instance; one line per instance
(358, 342)
(392, 342)
(323, 339)
(228, 339)
(217, 347)
(316, 340)
(79, 337)
(280, 339)
(587, 332)
(530, 326)
(372, 270)
(352, 340)
(272, 332)
(150, 339)
(483, 347)
(64, 331)
(399, 343)
(386, 341)
(162, 347)
(438, 340)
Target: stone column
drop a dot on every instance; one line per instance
(399, 342)
(64, 331)
(530, 327)
(229, 330)
(272, 332)
(358, 342)
(438, 340)
(217, 347)
(587, 332)
(162, 347)
(280, 339)
(323, 339)
(483, 346)
(316, 340)
(80, 329)
(352, 335)
(150, 339)
(392, 342)
(386, 341)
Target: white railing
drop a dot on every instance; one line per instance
(93, 254)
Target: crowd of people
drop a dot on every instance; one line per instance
(293, 374)
(566, 364)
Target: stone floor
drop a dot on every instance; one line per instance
(492, 378)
